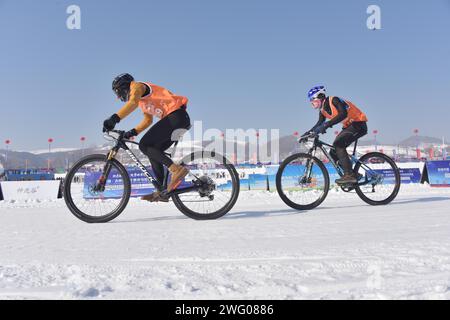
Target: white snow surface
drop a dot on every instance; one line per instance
(262, 249)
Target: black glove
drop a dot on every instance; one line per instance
(111, 122)
(129, 134)
(322, 129)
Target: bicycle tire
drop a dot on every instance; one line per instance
(235, 188)
(68, 197)
(282, 194)
(396, 173)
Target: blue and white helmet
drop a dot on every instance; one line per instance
(314, 92)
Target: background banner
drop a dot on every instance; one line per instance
(437, 173)
(140, 185)
(258, 182)
(30, 190)
(292, 173)
(411, 175)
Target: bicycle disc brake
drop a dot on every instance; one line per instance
(305, 180)
(100, 185)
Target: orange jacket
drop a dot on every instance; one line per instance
(353, 113)
(159, 102)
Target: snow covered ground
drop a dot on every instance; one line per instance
(261, 250)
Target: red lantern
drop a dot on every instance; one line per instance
(83, 139)
(375, 132)
(8, 141)
(50, 140)
(416, 131)
(296, 133)
(257, 134)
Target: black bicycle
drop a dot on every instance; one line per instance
(97, 188)
(303, 180)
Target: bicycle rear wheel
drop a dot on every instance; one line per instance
(81, 196)
(380, 182)
(218, 183)
(302, 181)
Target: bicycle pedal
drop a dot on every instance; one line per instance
(164, 194)
(347, 184)
(160, 197)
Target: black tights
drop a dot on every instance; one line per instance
(159, 138)
(347, 136)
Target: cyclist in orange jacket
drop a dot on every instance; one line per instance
(354, 123)
(154, 101)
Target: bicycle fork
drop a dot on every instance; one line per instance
(309, 163)
(101, 182)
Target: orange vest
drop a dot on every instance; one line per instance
(160, 102)
(353, 113)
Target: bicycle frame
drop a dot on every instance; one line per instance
(122, 144)
(322, 146)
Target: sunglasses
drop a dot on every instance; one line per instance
(122, 94)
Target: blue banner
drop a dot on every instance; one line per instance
(140, 185)
(332, 173)
(272, 176)
(27, 175)
(411, 175)
(258, 182)
(244, 185)
(292, 173)
(438, 173)
(272, 182)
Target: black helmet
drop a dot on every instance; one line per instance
(121, 86)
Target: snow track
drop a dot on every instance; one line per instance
(261, 250)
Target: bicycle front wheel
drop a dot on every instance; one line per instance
(302, 181)
(380, 182)
(83, 196)
(218, 186)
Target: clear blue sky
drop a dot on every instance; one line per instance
(242, 63)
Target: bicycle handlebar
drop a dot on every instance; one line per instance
(117, 131)
(308, 136)
(121, 133)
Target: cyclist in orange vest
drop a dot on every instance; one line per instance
(154, 101)
(354, 123)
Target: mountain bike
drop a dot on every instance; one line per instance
(97, 188)
(303, 180)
